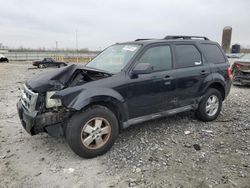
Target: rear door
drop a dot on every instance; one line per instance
(216, 58)
(190, 72)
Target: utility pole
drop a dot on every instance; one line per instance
(56, 45)
(76, 45)
(76, 40)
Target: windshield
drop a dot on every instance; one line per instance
(114, 58)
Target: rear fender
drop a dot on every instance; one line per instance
(214, 81)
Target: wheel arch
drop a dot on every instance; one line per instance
(80, 100)
(220, 87)
(116, 109)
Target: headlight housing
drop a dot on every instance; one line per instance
(50, 103)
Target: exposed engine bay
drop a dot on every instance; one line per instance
(82, 76)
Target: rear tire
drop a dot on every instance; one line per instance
(92, 132)
(210, 105)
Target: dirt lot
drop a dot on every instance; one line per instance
(177, 151)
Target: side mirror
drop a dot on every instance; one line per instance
(142, 68)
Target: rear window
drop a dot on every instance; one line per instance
(213, 53)
(187, 56)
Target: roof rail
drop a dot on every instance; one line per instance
(169, 37)
(142, 39)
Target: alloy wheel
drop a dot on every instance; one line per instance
(95, 133)
(212, 105)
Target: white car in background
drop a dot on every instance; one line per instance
(3, 58)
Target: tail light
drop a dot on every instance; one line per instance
(229, 73)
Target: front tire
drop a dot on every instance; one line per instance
(92, 132)
(210, 105)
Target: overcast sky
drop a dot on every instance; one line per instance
(99, 23)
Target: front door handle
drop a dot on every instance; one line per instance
(167, 77)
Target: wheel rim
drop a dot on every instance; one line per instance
(212, 105)
(95, 133)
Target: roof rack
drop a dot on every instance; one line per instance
(142, 39)
(170, 37)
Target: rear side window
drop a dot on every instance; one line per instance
(213, 53)
(187, 56)
(159, 57)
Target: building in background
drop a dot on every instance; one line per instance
(226, 39)
(235, 49)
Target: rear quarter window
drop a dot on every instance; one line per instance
(213, 53)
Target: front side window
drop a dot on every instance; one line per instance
(187, 56)
(159, 57)
(114, 58)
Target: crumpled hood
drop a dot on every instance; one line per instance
(55, 79)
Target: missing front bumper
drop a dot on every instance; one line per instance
(35, 123)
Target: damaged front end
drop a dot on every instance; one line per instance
(40, 110)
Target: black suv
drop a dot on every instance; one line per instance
(128, 83)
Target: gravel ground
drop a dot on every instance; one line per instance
(177, 151)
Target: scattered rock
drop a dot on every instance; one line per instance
(137, 170)
(42, 159)
(197, 147)
(187, 132)
(224, 179)
(207, 131)
(155, 147)
(38, 174)
(187, 145)
(68, 170)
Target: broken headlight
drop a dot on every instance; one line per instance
(50, 103)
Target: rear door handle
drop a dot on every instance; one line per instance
(167, 77)
(204, 72)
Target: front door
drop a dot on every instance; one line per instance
(147, 92)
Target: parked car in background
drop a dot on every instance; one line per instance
(128, 83)
(3, 58)
(49, 62)
(241, 71)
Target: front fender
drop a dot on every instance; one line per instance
(78, 98)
